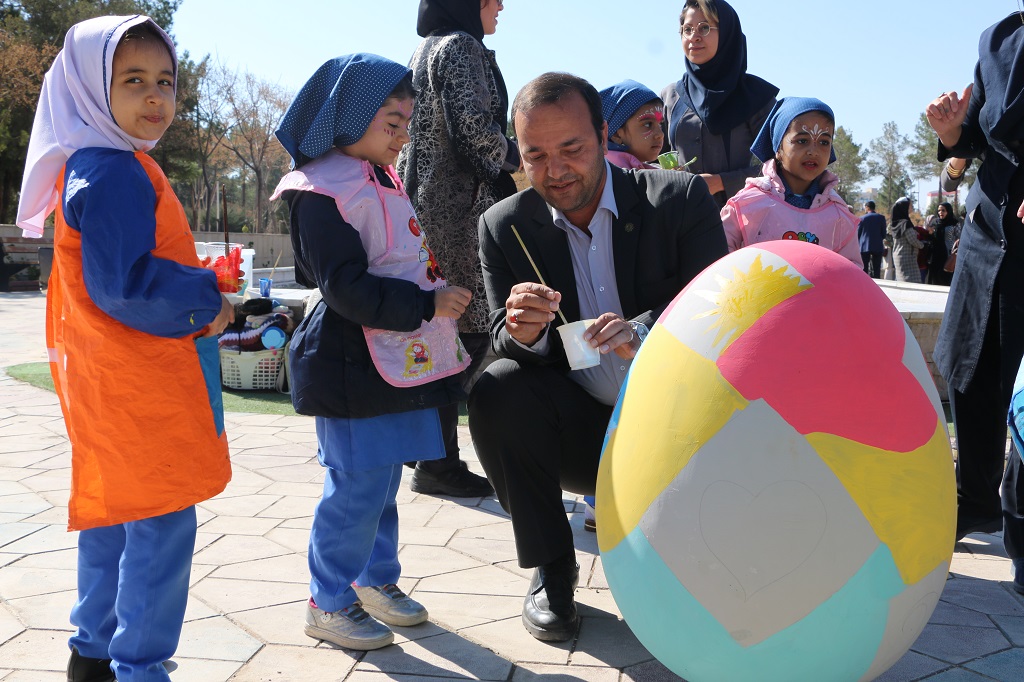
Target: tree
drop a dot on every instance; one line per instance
(47, 21)
(255, 108)
(892, 189)
(208, 125)
(849, 164)
(923, 156)
(886, 157)
(22, 66)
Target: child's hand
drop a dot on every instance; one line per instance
(947, 112)
(451, 302)
(714, 182)
(225, 317)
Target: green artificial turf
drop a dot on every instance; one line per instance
(262, 402)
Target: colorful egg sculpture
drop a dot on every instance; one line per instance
(776, 497)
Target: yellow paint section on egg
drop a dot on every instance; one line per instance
(658, 432)
(909, 498)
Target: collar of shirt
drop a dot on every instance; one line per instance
(607, 203)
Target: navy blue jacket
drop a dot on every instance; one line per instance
(871, 232)
(332, 373)
(991, 241)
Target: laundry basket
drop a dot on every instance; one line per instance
(252, 371)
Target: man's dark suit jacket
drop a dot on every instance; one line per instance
(667, 232)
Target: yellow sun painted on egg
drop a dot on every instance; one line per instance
(745, 298)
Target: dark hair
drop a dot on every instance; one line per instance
(950, 218)
(404, 90)
(870, 205)
(707, 7)
(900, 211)
(551, 88)
(143, 32)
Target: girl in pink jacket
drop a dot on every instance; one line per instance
(795, 196)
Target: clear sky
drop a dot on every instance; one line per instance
(872, 61)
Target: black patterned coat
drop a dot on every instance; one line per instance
(457, 164)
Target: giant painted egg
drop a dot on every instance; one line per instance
(776, 497)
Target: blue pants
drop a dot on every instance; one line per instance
(354, 537)
(132, 590)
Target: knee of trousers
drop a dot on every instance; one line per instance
(504, 393)
(507, 399)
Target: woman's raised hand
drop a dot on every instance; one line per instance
(946, 113)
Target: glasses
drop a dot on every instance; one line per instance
(702, 29)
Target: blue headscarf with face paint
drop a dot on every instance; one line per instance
(769, 139)
(334, 108)
(619, 103)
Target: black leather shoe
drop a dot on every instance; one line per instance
(82, 669)
(967, 525)
(549, 611)
(455, 482)
(1018, 576)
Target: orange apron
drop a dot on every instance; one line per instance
(143, 433)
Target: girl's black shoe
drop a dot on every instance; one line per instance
(82, 669)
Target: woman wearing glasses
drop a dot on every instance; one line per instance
(716, 110)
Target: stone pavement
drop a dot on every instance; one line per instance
(249, 578)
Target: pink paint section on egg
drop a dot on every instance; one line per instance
(820, 357)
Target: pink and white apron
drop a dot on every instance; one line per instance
(396, 247)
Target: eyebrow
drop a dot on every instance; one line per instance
(139, 69)
(561, 145)
(397, 113)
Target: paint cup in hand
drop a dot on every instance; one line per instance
(580, 353)
(669, 160)
(265, 284)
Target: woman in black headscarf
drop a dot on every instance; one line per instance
(905, 243)
(981, 340)
(458, 164)
(944, 232)
(716, 110)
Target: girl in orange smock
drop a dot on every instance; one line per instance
(131, 330)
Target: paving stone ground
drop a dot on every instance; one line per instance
(250, 580)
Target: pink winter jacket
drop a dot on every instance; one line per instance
(627, 160)
(759, 213)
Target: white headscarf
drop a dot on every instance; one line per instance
(74, 112)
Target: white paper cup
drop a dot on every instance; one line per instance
(580, 353)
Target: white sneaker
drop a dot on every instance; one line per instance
(351, 627)
(389, 604)
(589, 519)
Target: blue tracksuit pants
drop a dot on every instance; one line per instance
(354, 537)
(132, 590)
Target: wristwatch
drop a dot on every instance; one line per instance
(640, 329)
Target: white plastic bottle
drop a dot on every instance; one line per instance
(246, 270)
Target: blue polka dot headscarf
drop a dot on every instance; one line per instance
(620, 102)
(769, 139)
(334, 108)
